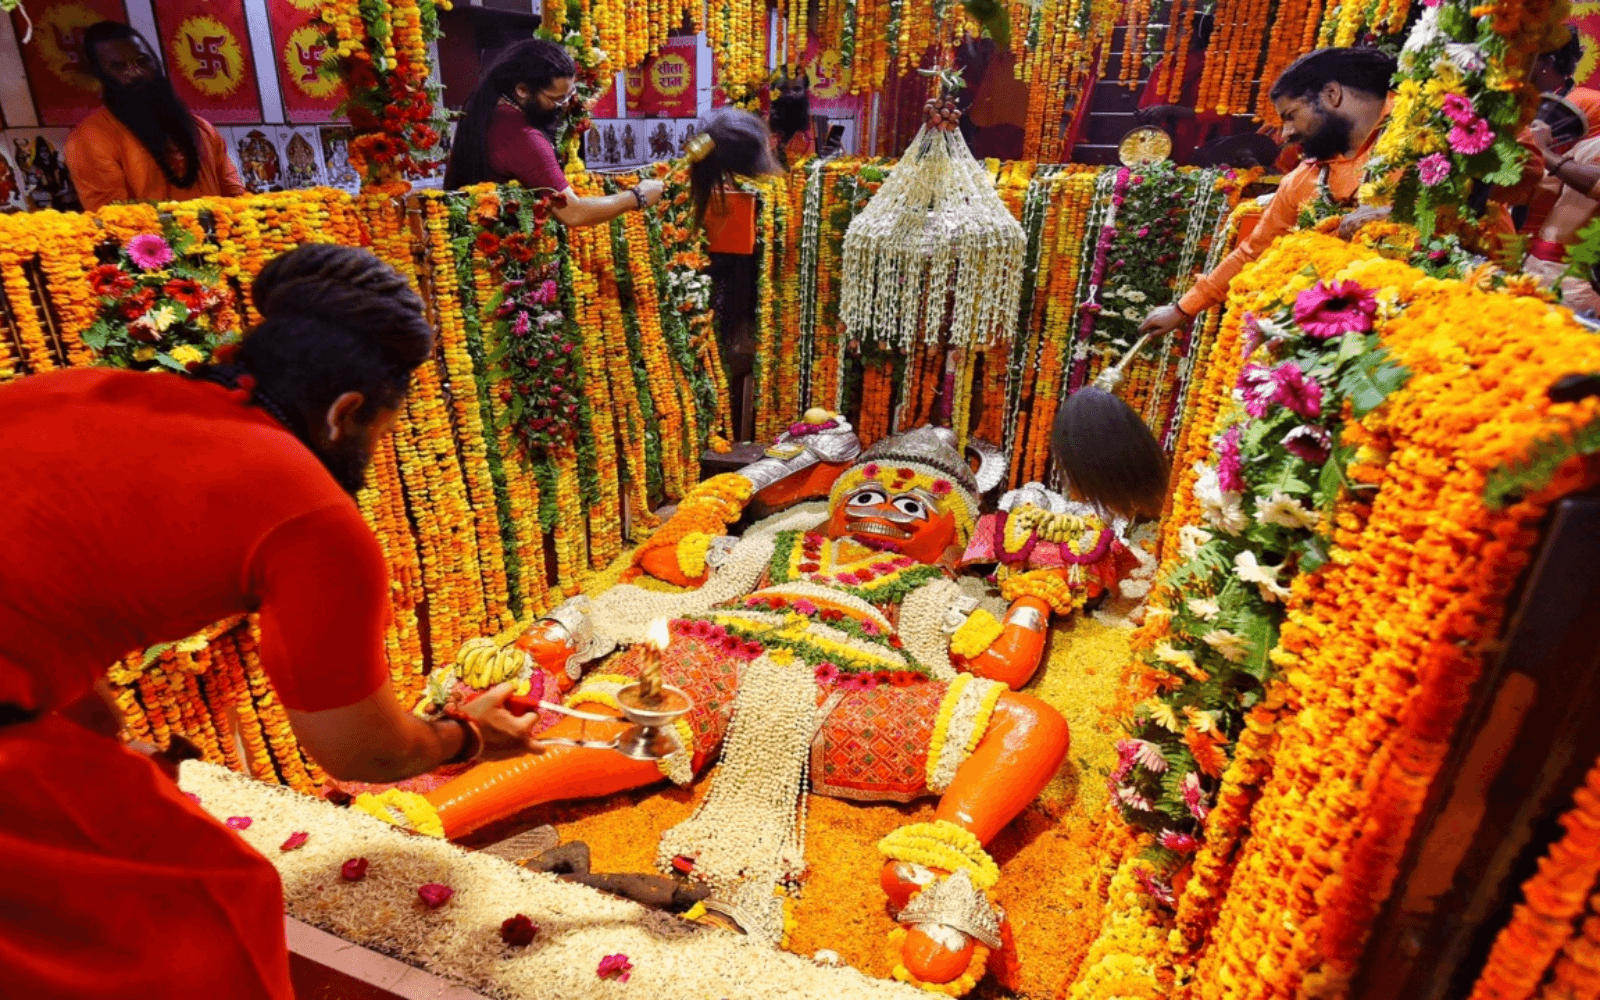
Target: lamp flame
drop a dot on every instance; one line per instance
(658, 635)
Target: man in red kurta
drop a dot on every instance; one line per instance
(139, 507)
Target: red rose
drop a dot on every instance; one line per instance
(518, 931)
(109, 281)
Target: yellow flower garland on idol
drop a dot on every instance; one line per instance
(944, 846)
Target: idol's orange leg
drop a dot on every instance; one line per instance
(497, 789)
(1020, 752)
(1013, 658)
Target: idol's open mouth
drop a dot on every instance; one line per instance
(880, 529)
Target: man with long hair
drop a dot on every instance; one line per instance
(144, 144)
(140, 507)
(507, 132)
(1334, 103)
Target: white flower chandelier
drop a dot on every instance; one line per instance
(935, 253)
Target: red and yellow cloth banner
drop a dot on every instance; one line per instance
(664, 86)
(309, 97)
(206, 44)
(63, 90)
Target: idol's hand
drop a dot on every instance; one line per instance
(504, 735)
(1164, 320)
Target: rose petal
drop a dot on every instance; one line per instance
(354, 870)
(518, 931)
(294, 841)
(435, 895)
(239, 822)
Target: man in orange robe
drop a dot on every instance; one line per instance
(1334, 103)
(141, 506)
(144, 144)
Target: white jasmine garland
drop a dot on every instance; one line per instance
(578, 926)
(968, 694)
(921, 630)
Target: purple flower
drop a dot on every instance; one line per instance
(1470, 139)
(804, 607)
(545, 293)
(1252, 335)
(1127, 753)
(1230, 472)
(1259, 389)
(1325, 311)
(1309, 442)
(1433, 169)
(1301, 394)
(521, 325)
(149, 251)
(1459, 109)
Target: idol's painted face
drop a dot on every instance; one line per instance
(911, 522)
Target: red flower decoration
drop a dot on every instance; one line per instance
(487, 243)
(518, 931)
(294, 841)
(871, 470)
(191, 293)
(109, 280)
(353, 870)
(616, 966)
(941, 487)
(905, 473)
(239, 822)
(894, 640)
(777, 603)
(810, 567)
(435, 895)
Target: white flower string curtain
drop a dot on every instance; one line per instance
(935, 254)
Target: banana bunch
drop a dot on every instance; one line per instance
(482, 664)
(1060, 527)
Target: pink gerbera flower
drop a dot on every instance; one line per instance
(1325, 311)
(1459, 109)
(1256, 385)
(1252, 336)
(827, 674)
(1433, 169)
(149, 251)
(1194, 797)
(1310, 443)
(1301, 394)
(1180, 842)
(1471, 139)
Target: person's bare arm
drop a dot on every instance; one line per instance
(377, 740)
(580, 211)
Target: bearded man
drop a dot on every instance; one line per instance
(1334, 103)
(145, 144)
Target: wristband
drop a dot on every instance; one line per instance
(638, 198)
(1178, 305)
(471, 737)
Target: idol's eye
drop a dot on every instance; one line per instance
(868, 496)
(911, 506)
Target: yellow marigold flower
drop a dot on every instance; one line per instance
(144, 354)
(187, 354)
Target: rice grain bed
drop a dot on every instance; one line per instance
(461, 939)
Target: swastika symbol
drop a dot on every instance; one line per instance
(311, 57)
(206, 51)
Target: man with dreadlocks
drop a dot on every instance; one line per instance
(507, 133)
(140, 507)
(144, 145)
